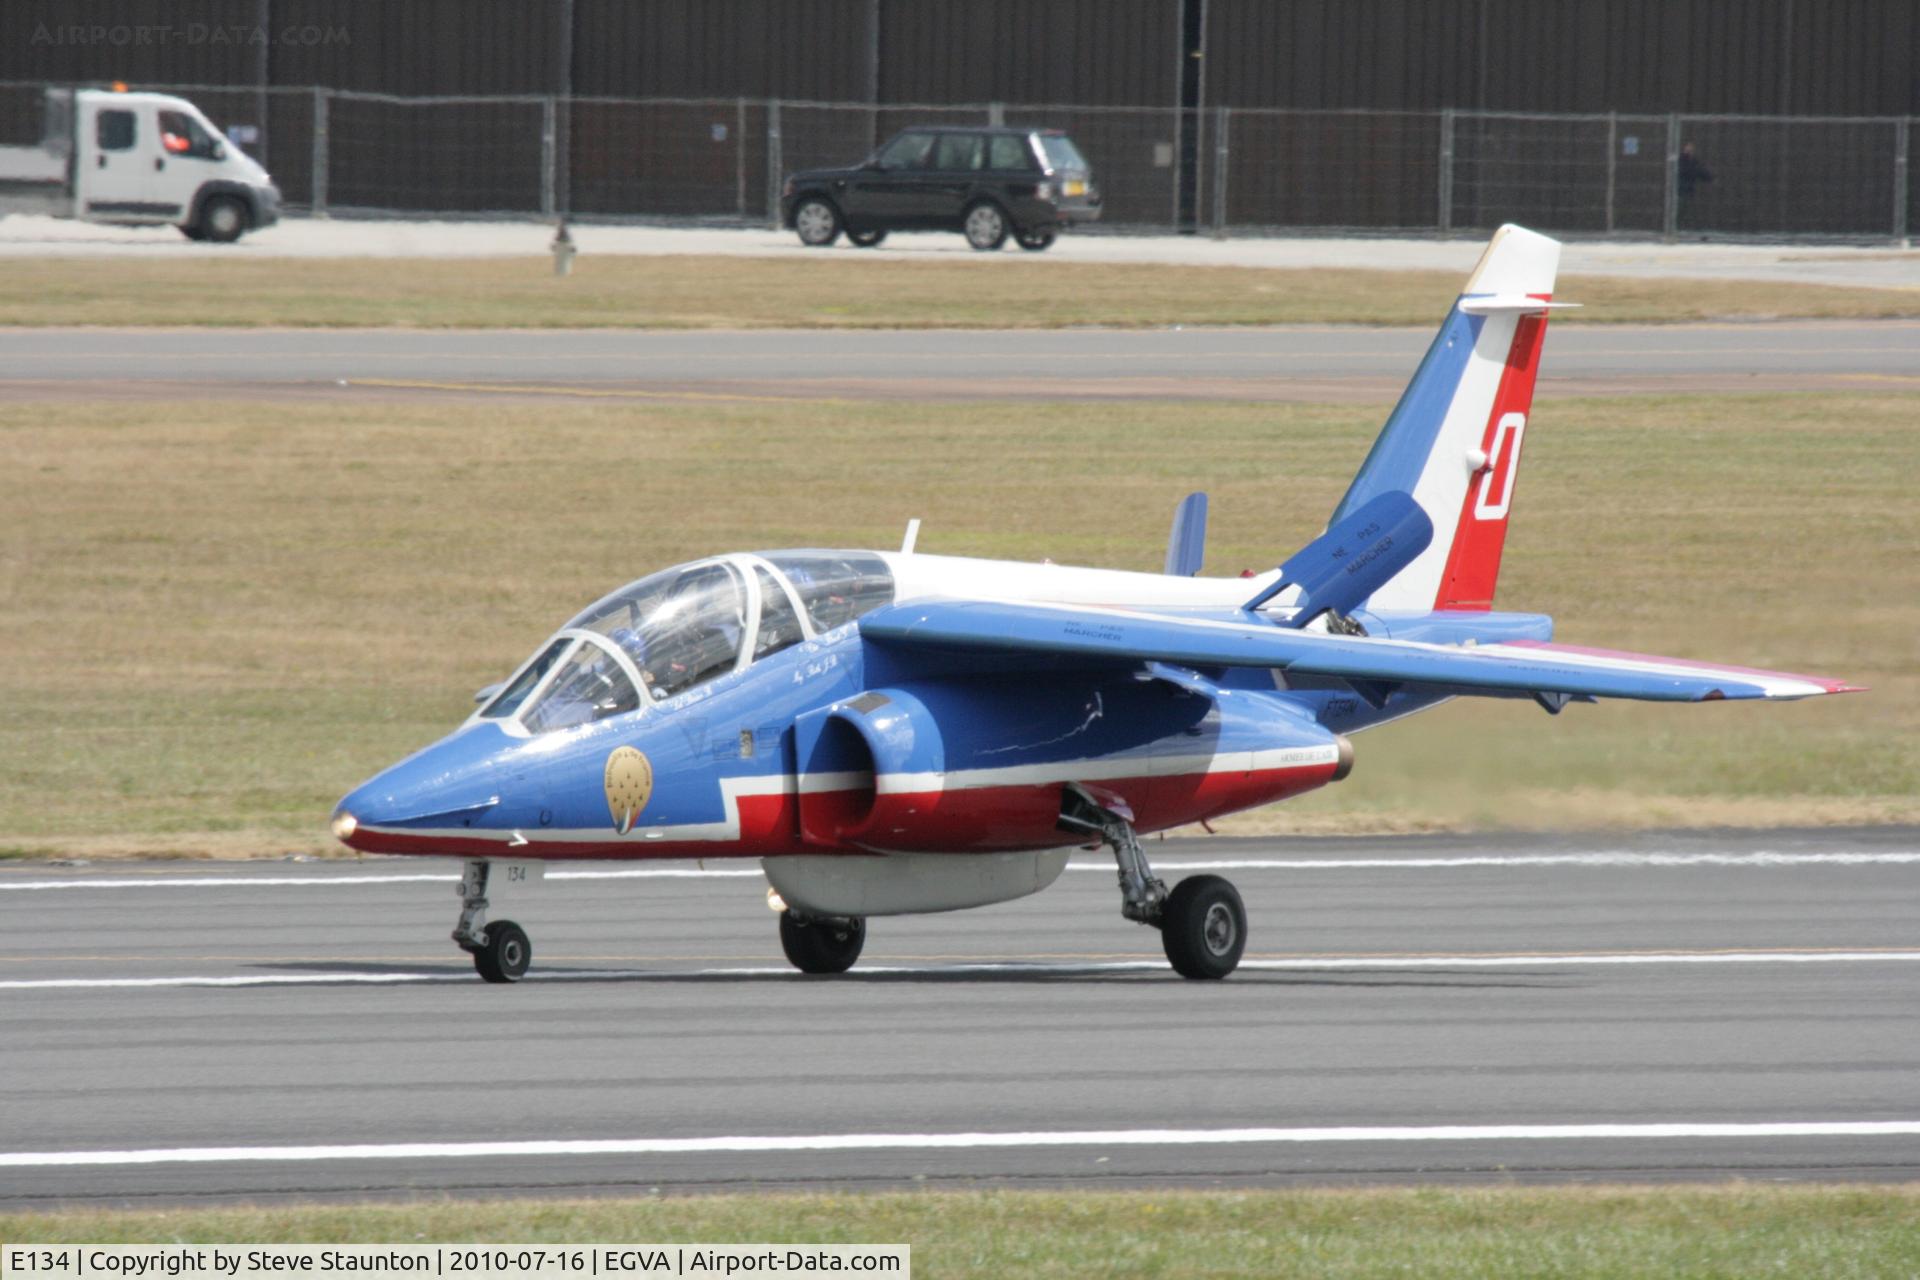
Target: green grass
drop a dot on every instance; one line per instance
(830, 291)
(1737, 1232)
(220, 616)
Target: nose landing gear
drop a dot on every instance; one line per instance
(500, 951)
(1202, 922)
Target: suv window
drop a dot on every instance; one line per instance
(1009, 152)
(960, 151)
(908, 151)
(1061, 153)
(113, 130)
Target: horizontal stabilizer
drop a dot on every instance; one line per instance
(1488, 304)
(1350, 561)
(1115, 636)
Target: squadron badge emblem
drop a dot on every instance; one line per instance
(629, 787)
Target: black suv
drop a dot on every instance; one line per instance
(985, 183)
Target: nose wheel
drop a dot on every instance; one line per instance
(1202, 922)
(500, 951)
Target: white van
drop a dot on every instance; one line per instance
(137, 159)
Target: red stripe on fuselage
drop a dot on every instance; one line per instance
(1473, 564)
(769, 824)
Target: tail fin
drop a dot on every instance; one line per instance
(1454, 439)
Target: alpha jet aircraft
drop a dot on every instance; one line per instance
(892, 733)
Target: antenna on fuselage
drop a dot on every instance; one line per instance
(912, 536)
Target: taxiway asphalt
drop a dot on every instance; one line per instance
(1432, 1009)
(1299, 363)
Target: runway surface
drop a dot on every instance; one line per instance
(1436, 1009)
(1306, 363)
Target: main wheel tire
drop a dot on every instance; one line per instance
(866, 239)
(817, 222)
(822, 946)
(986, 226)
(1035, 241)
(505, 955)
(1203, 927)
(223, 219)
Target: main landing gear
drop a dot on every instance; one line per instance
(1202, 922)
(822, 945)
(500, 951)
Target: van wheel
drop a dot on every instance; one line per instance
(817, 221)
(1035, 241)
(223, 220)
(986, 226)
(194, 232)
(866, 239)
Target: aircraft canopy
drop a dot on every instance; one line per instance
(676, 629)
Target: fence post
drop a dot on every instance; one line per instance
(1670, 222)
(996, 114)
(775, 174)
(546, 156)
(1902, 128)
(318, 202)
(1446, 171)
(1613, 162)
(740, 157)
(1221, 115)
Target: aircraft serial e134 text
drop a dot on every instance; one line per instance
(892, 733)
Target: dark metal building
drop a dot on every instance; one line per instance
(1143, 84)
(1769, 57)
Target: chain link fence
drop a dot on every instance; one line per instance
(1218, 171)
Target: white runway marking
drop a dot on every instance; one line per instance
(164, 881)
(1608, 858)
(959, 1141)
(1043, 968)
(1605, 858)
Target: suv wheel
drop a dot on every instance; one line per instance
(866, 239)
(1035, 241)
(986, 226)
(817, 221)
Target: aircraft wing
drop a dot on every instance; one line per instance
(1519, 667)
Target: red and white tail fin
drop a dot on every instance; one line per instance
(1454, 439)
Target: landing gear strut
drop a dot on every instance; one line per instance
(500, 951)
(1202, 923)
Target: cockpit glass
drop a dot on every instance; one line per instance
(779, 624)
(680, 627)
(508, 700)
(835, 587)
(589, 686)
